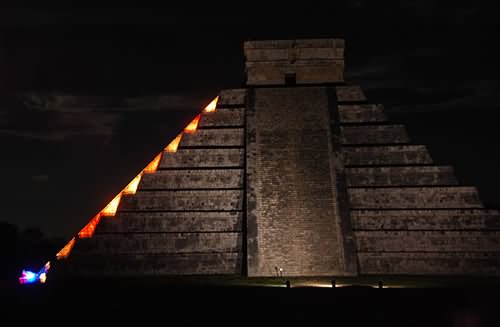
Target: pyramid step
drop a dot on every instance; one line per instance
(157, 222)
(386, 155)
(350, 93)
(427, 241)
(193, 179)
(422, 263)
(214, 137)
(400, 176)
(223, 117)
(169, 264)
(198, 158)
(414, 197)
(363, 113)
(374, 134)
(195, 200)
(231, 97)
(472, 219)
(159, 243)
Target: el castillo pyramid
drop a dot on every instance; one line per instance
(296, 172)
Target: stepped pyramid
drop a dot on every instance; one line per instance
(297, 173)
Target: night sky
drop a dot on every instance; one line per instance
(89, 97)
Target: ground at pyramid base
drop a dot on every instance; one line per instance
(296, 175)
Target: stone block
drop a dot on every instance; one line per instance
(386, 155)
(232, 97)
(414, 197)
(457, 263)
(374, 134)
(214, 137)
(427, 241)
(223, 118)
(454, 219)
(199, 158)
(351, 93)
(136, 264)
(400, 176)
(361, 113)
(159, 243)
(193, 179)
(199, 200)
(159, 222)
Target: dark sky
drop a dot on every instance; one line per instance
(88, 97)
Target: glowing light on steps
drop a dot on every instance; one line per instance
(191, 128)
(172, 147)
(211, 106)
(131, 188)
(111, 208)
(89, 229)
(153, 165)
(66, 250)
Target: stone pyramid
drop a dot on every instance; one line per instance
(296, 173)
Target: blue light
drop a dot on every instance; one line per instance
(28, 277)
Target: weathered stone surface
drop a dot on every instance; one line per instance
(386, 155)
(361, 113)
(268, 54)
(475, 219)
(289, 54)
(469, 263)
(157, 222)
(400, 176)
(265, 73)
(192, 158)
(136, 264)
(319, 53)
(193, 179)
(214, 137)
(427, 241)
(301, 43)
(351, 93)
(374, 134)
(292, 208)
(159, 243)
(414, 197)
(223, 117)
(231, 97)
(306, 72)
(204, 200)
(329, 72)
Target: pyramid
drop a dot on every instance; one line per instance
(296, 173)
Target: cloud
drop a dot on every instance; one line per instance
(56, 117)
(59, 126)
(75, 103)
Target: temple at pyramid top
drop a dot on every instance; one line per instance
(308, 61)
